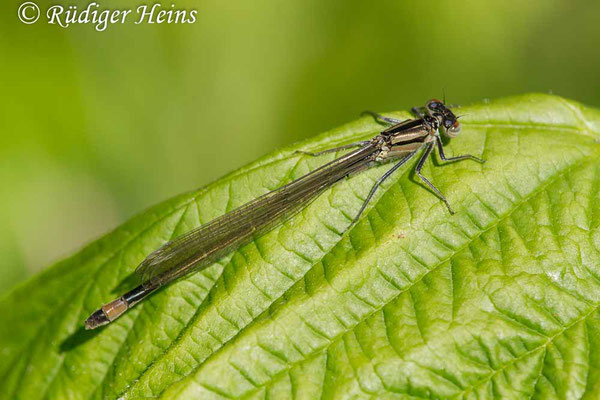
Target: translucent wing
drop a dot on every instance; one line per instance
(204, 245)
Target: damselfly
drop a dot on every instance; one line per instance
(199, 248)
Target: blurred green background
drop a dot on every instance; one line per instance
(96, 126)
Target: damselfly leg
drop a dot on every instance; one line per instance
(457, 158)
(382, 118)
(376, 186)
(418, 111)
(435, 190)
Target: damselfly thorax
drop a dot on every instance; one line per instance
(406, 137)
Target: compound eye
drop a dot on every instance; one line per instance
(454, 130)
(434, 105)
(449, 124)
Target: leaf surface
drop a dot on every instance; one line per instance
(499, 300)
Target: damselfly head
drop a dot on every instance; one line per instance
(446, 118)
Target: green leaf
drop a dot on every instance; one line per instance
(499, 300)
